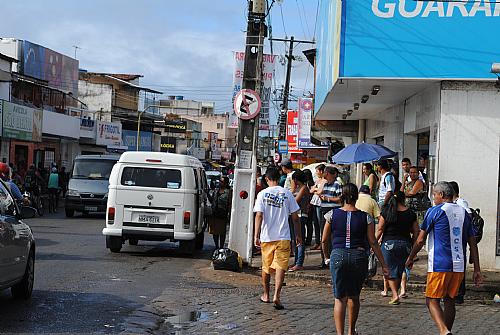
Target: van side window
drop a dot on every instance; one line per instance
(196, 181)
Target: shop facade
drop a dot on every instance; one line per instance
(416, 75)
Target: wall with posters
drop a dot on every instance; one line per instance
(21, 122)
(268, 73)
(109, 133)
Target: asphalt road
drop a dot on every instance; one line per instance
(80, 287)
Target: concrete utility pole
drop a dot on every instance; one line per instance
(286, 90)
(241, 228)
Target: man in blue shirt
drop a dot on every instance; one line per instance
(449, 229)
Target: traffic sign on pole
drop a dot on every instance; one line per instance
(247, 104)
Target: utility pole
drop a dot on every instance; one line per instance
(286, 91)
(241, 228)
(76, 48)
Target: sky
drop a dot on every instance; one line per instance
(181, 47)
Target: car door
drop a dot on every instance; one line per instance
(9, 251)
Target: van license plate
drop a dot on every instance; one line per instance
(90, 209)
(149, 219)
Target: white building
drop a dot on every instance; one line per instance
(417, 77)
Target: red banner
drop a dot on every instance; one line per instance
(292, 132)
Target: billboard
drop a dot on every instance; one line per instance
(109, 133)
(265, 95)
(419, 39)
(292, 132)
(176, 126)
(21, 122)
(129, 138)
(58, 70)
(305, 122)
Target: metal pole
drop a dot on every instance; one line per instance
(139, 114)
(286, 91)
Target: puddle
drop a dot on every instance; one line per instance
(183, 320)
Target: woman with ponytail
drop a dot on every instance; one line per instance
(398, 228)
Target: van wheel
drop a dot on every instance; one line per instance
(24, 288)
(187, 247)
(200, 238)
(133, 241)
(114, 243)
(69, 212)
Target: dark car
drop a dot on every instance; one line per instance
(17, 246)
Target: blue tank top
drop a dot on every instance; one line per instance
(349, 229)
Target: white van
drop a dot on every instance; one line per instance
(155, 196)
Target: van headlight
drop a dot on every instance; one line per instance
(73, 193)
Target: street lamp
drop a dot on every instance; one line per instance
(139, 115)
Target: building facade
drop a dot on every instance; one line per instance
(416, 76)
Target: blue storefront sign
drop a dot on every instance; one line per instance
(406, 39)
(130, 140)
(282, 146)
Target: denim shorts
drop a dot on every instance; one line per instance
(396, 253)
(349, 268)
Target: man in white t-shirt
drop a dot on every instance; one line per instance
(273, 207)
(387, 185)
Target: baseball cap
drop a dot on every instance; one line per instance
(364, 189)
(286, 162)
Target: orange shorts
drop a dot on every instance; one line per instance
(275, 255)
(443, 284)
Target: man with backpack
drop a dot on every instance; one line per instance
(388, 183)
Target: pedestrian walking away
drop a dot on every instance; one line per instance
(53, 187)
(449, 229)
(221, 207)
(398, 229)
(273, 207)
(302, 196)
(366, 203)
(350, 232)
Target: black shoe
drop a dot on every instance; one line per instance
(459, 300)
(323, 266)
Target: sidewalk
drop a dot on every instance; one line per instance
(417, 281)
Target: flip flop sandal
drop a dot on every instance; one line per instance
(278, 306)
(384, 294)
(264, 301)
(394, 302)
(403, 296)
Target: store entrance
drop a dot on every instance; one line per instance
(21, 157)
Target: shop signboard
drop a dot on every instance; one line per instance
(176, 126)
(21, 122)
(129, 138)
(292, 131)
(265, 94)
(109, 133)
(305, 120)
(168, 144)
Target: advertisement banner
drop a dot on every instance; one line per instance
(58, 70)
(305, 121)
(292, 131)
(109, 133)
(176, 126)
(168, 144)
(265, 95)
(129, 138)
(21, 122)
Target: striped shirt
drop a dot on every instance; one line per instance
(349, 229)
(331, 190)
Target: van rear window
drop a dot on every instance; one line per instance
(150, 177)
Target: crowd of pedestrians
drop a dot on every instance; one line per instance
(388, 216)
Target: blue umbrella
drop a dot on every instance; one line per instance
(362, 152)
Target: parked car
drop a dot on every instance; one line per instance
(17, 246)
(156, 196)
(88, 185)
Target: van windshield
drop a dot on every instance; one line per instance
(150, 177)
(92, 169)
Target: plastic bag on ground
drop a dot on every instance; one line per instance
(227, 259)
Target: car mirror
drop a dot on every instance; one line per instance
(28, 212)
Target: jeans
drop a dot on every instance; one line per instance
(316, 219)
(395, 254)
(349, 268)
(307, 229)
(300, 250)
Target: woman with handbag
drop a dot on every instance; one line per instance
(221, 207)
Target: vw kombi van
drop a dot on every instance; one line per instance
(155, 196)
